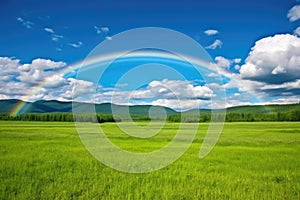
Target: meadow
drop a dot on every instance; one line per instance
(252, 160)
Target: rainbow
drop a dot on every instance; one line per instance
(109, 58)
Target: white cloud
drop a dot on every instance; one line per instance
(76, 45)
(294, 13)
(287, 85)
(3, 96)
(237, 60)
(27, 24)
(56, 37)
(271, 71)
(77, 88)
(18, 80)
(235, 102)
(38, 70)
(213, 75)
(40, 79)
(104, 29)
(54, 81)
(222, 62)
(178, 89)
(284, 100)
(279, 70)
(101, 29)
(14, 88)
(181, 104)
(164, 89)
(274, 59)
(161, 92)
(217, 44)
(211, 32)
(98, 30)
(8, 66)
(142, 94)
(49, 30)
(297, 31)
(237, 67)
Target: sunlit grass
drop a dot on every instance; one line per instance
(46, 160)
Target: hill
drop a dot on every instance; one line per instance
(254, 109)
(43, 106)
(264, 108)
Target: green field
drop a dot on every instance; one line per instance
(254, 160)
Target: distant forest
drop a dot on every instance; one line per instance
(59, 117)
(293, 115)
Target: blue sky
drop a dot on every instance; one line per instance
(240, 23)
(64, 32)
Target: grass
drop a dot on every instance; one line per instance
(46, 160)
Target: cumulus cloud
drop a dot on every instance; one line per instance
(211, 32)
(38, 70)
(54, 81)
(178, 89)
(44, 78)
(77, 88)
(271, 70)
(8, 66)
(181, 105)
(216, 44)
(41, 76)
(160, 89)
(297, 31)
(294, 13)
(161, 92)
(237, 60)
(273, 60)
(237, 67)
(222, 62)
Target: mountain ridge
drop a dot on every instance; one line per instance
(50, 106)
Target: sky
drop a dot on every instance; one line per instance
(255, 46)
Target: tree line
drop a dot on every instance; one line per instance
(60, 117)
(293, 115)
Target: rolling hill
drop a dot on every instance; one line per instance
(254, 109)
(43, 106)
(6, 106)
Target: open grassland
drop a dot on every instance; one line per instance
(46, 160)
